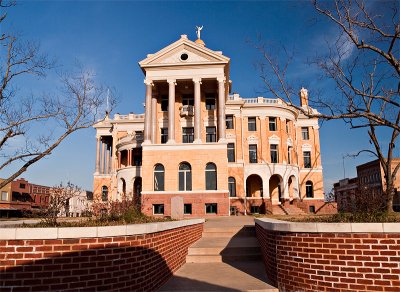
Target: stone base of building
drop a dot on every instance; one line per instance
(202, 204)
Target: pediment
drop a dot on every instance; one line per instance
(173, 54)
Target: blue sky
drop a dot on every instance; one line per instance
(110, 38)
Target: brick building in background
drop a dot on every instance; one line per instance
(370, 176)
(199, 151)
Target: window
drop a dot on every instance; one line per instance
(187, 209)
(255, 209)
(185, 177)
(274, 153)
(187, 135)
(164, 135)
(158, 209)
(211, 208)
(232, 186)
(309, 189)
(231, 152)
(22, 186)
(159, 174)
(211, 134)
(253, 153)
(229, 122)
(311, 209)
(164, 103)
(287, 127)
(104, 193)
(304, 133)
(210, 101)
(272, 124)
(252, 124)
(307, 159)
(289, 154)
(188, 99)
(4, 196)
(211, 176)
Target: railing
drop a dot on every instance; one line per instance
(134, 137)
(128, 117)
(255, 100)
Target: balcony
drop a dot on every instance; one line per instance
(186, 111)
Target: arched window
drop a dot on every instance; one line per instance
(185, 177)
(123, 186)
(232, 186)
(211, 176)
(104, 193)
(159, 177)
(309, 189)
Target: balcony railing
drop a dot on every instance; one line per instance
(187, 111)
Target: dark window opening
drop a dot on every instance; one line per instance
(231, 152)
(158, 209)
(164, 103)
(164, 135)
(185, 177)
(232, 186)
(272, 124)
(253, 153)
(210, 101)
(229, 122)
(187, 209)
(211, 134)
(211, 208)
(211, 176)
(187, 135)
(159, 175)
(252, 124)
(307, 159)
(274, 153)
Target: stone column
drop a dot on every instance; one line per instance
(147, 118)
(197, 110)
(129, 157)
(119, 159)
(107, 163)
(171, 111)
(221, 109)
(102, 168)
(98, 154)
(153, 120)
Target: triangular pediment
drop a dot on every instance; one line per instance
(184, 52)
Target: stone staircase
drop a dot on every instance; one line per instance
(287, 210)
(226, 258)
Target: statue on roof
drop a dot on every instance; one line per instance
(198, 29)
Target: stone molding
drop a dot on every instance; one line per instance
(312, 227)
(100, 231)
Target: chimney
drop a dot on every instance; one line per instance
(303, 97)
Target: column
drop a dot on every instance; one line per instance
(153, 120)
(129, 157)
(171, 111)
(197, 110)
(221, 109)
(107, 164)
(98, 154)
(119, 159)
(102, 167)
(147, 118)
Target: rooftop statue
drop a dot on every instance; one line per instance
(198, 29)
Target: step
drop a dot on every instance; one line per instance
(218, 258)
(223, 250)
(245, 276)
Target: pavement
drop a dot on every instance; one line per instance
(226, 258)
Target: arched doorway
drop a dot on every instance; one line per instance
(275, 187)
(254, 186)
(292, 187)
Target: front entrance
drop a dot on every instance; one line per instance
(275, 188)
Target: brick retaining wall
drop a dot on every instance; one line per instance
(298, 257)
(133, 258)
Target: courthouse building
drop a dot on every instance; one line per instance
(199, 150)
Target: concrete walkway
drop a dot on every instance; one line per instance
(226, 258)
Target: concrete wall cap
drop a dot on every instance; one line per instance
(101, 231)
(313, 227)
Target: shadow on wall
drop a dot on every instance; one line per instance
(111, 268)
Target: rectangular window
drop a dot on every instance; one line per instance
(211, 208)
(304, 133)
(231, 152)
(158, 209)
(253, 153)
(274, 153)
(255, 209)
(164, 103)
(188, 99)
(211, 134)
(187, 209)
(272, 124)
(164, 135)
(187, 135)
(307, 159)
(22, 186)
(229, 122)
(289, 155)
(4, 196)
(311, 209)
(210, 101)
(252, 124)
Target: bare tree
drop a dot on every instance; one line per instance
(31, 127)
(363, 62)
(58, 202)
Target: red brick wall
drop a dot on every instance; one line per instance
(321, 207)
(331, 261)
(133, 263)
